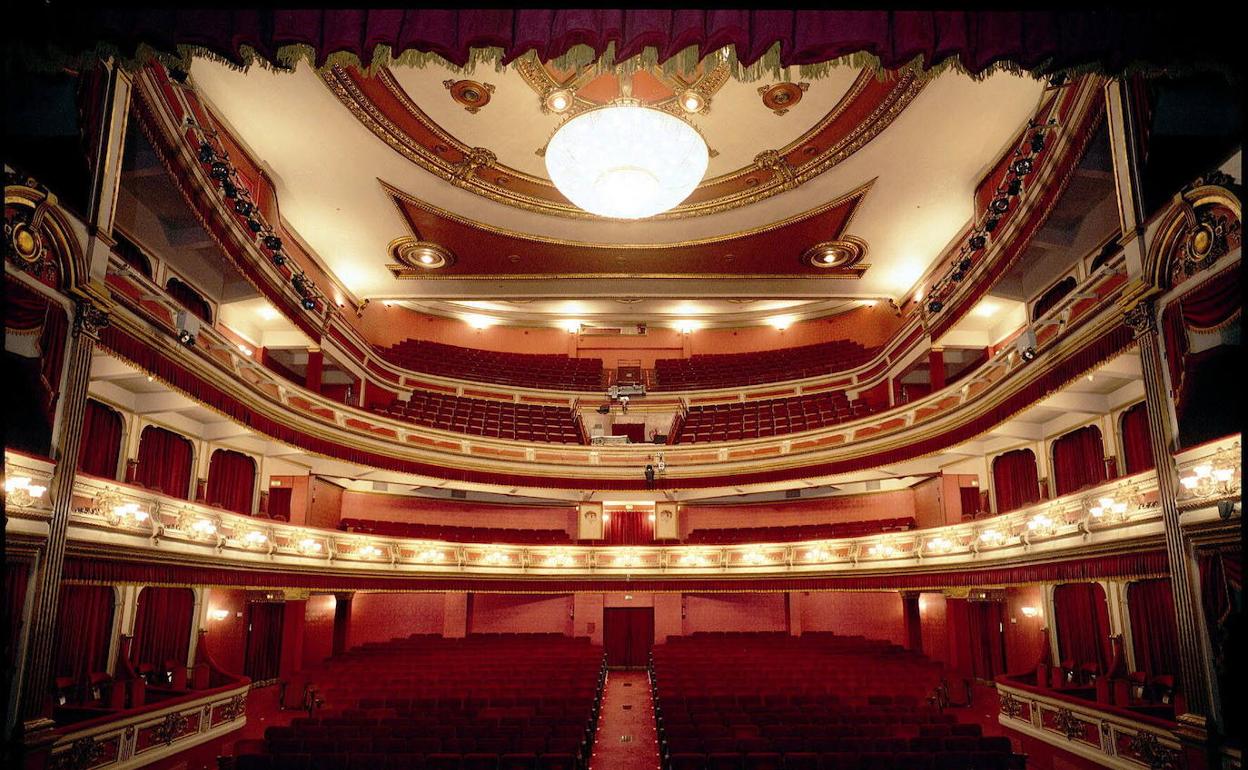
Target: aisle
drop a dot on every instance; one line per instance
(626, 738)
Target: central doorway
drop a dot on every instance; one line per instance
(628, 634)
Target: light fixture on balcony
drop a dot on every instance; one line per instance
(694, 559)
(496, 558)
(1107, 509)
(430, 556)
(1214, 477)
(1041, 524)
(255, 538)
(991, 538)
(626, 559)
(883, 551)
(818, 554)
(369, 551)
(626, 160)
(203, 528)
(310, 545)
(561, 559)
(940, 544)
(756, 557)
(1029, 612)
(20, 492)
(129, 514)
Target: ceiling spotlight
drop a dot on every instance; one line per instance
(1028, 353)
(308, 303)
(272, 243)
(186, 338)
(558, 101)
(626, 161)
(781, 322)
(692, 101)
(935, 306)
(206, 153)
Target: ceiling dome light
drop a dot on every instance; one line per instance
(626, 161)
(558, 101)
(692, 101)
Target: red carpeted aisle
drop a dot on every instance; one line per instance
(626, 738)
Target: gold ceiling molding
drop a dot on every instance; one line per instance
(859, 192)
(340, 83)
(414, 257)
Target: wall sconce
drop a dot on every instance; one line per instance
(882, 551)
(430, 556)
(218, 615)
(940, 545)
(1214, 478)
(203, 528)
(561, 559)
(991, 538)
(496, 558)
(755, 557)
(20, 492)
(1029, 612)
(818, 554)
(129, 514)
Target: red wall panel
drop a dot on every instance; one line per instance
(881, 505)
(873, 614)
(734, 612)
(933, 621)
(318, 629)
(226, 639)
(512, 614)
(380, 617)
(419, 510)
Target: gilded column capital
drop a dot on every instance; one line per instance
(89, 319)
(1141, 318)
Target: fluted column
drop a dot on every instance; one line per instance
(35, 700)
(1193, 666)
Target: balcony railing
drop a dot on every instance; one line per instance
(140, 520)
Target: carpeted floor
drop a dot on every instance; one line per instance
(626, 737)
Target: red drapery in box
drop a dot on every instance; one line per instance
(628, 528)
(1136, 449)
(1082, 624)
(165, 462)
(101, 441)
(1015, 479)
(231, 481)
(162, 625)
(27, 310)
(84, 627)
(1153, 631)
(279, 503)
(190, 299)
(16, 579)
(1078, 460)
(1211, 306)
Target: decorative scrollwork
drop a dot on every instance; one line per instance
(1210, 235)
(1141, 318)
(1011, 706)
(234, 708)
(82, 753)
(1070, 725)
(89, 320)
(1148, 747)
(105, 504)
(477, 157)
(773, 161)
(173, 726)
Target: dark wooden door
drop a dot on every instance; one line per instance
(628, 633)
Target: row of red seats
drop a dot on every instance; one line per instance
(555, 371)
(742, 420)
(456, 534)
(796, 533)
(735, 369)
(481, 703)
(770, 714)
(485, 417)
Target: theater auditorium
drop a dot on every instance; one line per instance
(622, 389)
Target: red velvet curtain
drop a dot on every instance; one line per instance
(1015, 479)
(1078, 460)
(1082, 624)
(1057, 39)
(1209, 307)
(987, 639)
(628, 528)
(101, 441)
(1136, 449)
(26, 310)
(16, 580)
(231, 481)
(1153, 627)
(969, 497)
(264, 640)
(628, 633)
(165, 462)
(190, 299)
(162, 625)
(84, 626)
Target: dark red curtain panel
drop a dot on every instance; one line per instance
(231, 481)
(1078, 460)
(27, 310)
(162, 625)
(1213, 305)
(84, 626)
(1221, 583)
(987, 640)
(1137, 451)
(1107, 38)
(264, 640)
(1082, 624)
(190, 299)
(16, 580)
(628, 634)
(628, 528)
(101, 441)
(1016, 480)
(165, 462)
(969, 497)
(1154, 635)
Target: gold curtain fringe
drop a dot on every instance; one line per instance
(1233, 319)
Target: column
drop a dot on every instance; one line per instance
(342, 623)
(1193, 666)
(1125, 152)
(36, 703)
(936, 365)
(315, 369)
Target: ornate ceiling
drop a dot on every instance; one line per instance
(856, 180)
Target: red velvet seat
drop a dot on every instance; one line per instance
(557, 762)
(518, 761)
(763, 760)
